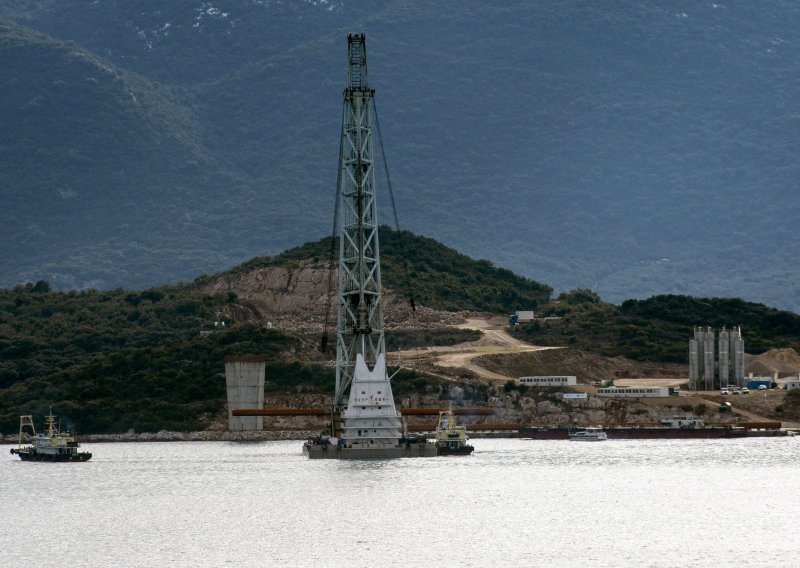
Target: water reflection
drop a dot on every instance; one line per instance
(511, 503)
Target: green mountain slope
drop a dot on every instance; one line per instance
(99, 165)
(635, 149)
(110, 178)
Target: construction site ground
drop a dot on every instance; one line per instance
(494, 340)
(497, 356)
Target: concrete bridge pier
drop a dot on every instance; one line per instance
(244, 376)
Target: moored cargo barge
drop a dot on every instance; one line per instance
(707, 432)
(642, 433)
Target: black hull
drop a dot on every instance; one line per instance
(462, 451)
(330, 451)
(35, 456)
(545, 433)
(673, 433)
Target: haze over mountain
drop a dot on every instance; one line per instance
(629, 147)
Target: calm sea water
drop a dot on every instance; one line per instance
(512, 503)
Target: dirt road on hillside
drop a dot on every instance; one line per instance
(494, 340)
(713, 401)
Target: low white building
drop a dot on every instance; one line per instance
(634, 392)
(549, 381)
(575, 396)
(793, 383)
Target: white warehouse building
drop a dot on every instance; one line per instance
(549, 381)
(634, 392)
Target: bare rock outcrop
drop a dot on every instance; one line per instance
(300, 298)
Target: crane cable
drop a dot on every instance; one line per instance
(407, 280)
(328, 295)
(404, 258)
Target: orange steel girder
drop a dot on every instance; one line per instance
(278, 411)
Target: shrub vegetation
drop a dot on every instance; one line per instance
(659, 328)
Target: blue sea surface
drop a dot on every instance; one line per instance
(659, 503)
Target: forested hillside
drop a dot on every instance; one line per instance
(152, 360)
(110, 361)
(107, 362)
(658, 328)
(633, 148)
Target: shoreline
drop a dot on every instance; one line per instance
(171, 436)
(277, 435)
(210, 436)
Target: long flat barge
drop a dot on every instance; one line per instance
(649, 433)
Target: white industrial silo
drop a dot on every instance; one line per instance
(694, 365)
(708, 359)
(737, 354)
(724, 358)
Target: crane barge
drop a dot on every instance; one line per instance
(365, 424)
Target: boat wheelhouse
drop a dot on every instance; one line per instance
(451, 437)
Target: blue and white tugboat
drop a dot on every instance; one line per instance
(52, 446)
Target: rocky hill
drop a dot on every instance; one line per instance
(295, 289)
(297, 298)
(153, 360)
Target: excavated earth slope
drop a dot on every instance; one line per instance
(297, 298)
(781, 361)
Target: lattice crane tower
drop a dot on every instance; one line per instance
(369, 415)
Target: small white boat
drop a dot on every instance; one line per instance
(588, 435)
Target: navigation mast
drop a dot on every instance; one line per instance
(368, 411)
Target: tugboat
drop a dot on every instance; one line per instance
(451, 437)
(53, 446)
